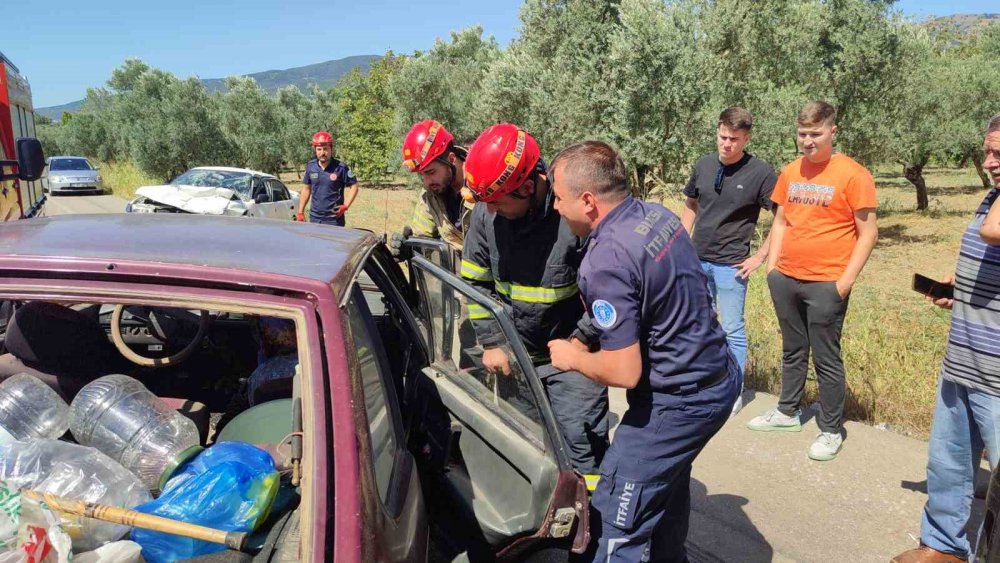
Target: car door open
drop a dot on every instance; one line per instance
(506, 466)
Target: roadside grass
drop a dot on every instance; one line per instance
(893, 340)
(122, 178)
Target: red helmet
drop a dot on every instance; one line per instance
(322, 138)
(500, 161)
(425, 142)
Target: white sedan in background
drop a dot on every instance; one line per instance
(219, 190)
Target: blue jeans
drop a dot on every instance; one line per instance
(965, 422)
(729, 293)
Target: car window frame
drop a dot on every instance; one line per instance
(454, 283)
(274, 187)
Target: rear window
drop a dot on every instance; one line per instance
(69, 164)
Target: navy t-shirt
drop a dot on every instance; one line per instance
(327, 186)
(642, 282)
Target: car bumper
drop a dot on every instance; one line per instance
(68, 187)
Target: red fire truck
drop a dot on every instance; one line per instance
(19, 197)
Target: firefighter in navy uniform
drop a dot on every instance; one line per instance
(519, 251)
(324, 182)
(647, 295)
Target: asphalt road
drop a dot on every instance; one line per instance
(83, 203)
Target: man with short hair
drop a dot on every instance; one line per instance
(430, 151)
(519, 251)
(324, 183)
(823, 233)
(968, 400)
(725, 194)
(643, 284)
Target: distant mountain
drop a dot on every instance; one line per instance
(961, 24)
(323, 74)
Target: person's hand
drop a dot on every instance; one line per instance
(300, 217)
(340, 210)
(944, 302)
(563, 353)
(397, 248)
(495, 361)
(747, 267)
(578, 344)
(843, 289)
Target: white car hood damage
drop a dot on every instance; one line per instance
(205, 200)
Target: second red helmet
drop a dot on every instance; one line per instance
(426, 141)
(500, 161)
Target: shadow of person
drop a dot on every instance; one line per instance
(720, 529)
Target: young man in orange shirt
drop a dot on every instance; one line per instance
(823, 233)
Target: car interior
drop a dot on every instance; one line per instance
(247, 398)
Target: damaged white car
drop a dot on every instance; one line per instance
(218, 190)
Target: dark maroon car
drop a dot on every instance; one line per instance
(272, 332)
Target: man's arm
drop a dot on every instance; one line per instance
(990, 230)
(352, 193)
(689, 214)
(747, 266)
(864, 222)
(614, 368)
(304, 196)
(776, 237)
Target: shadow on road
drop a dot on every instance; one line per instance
(721, 530)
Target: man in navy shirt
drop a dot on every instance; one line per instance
(647, 295)
(324, 183)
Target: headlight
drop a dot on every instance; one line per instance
(57, 179)
(98, 179)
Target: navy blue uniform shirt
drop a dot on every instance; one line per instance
(327, 186)
(642, 282)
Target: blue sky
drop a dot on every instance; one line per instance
(66, 48)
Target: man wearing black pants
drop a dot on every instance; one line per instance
(823, 233)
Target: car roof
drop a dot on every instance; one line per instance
(231, 169)
(233, 250)
(61, 157)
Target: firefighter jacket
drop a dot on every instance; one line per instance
(430, 220)
(530, 266)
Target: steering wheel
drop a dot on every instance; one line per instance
(162, 323)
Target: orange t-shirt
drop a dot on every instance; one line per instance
(819, 202)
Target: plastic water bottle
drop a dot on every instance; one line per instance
(77, 472)
(31, 410)
(120, 417)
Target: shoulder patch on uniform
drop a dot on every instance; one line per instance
(605, 314)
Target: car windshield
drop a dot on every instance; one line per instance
(239, 182)
(69, 164)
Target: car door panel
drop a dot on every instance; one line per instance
(506, 460)
(284, 207)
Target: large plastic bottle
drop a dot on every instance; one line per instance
(76, 472)
(120, 417)
(30, 409)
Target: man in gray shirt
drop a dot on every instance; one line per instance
(725, 194)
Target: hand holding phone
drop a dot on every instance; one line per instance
(932, 288)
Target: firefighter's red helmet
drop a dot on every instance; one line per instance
(425, 142)
(500, 161)
(322, 138)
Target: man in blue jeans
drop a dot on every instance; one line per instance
(967, 410)
(725, 194)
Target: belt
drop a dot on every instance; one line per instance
(689, 388)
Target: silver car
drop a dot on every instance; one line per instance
(71, 174)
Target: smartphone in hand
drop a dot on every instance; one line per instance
(932, 288)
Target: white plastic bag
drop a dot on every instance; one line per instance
(29, 531)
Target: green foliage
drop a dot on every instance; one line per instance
(444, 84)
(252, 121)
(365, 137)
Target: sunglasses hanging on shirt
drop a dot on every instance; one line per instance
(719, 176)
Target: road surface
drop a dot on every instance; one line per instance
(83, 203)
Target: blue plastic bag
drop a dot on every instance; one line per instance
(229, 486)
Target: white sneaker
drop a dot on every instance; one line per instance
(774, 420)
(825, 446)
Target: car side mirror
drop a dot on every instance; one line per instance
(261, 198)
(30, 159)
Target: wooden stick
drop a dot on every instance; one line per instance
(135, 519)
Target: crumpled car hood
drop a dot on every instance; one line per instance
(203, 200)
